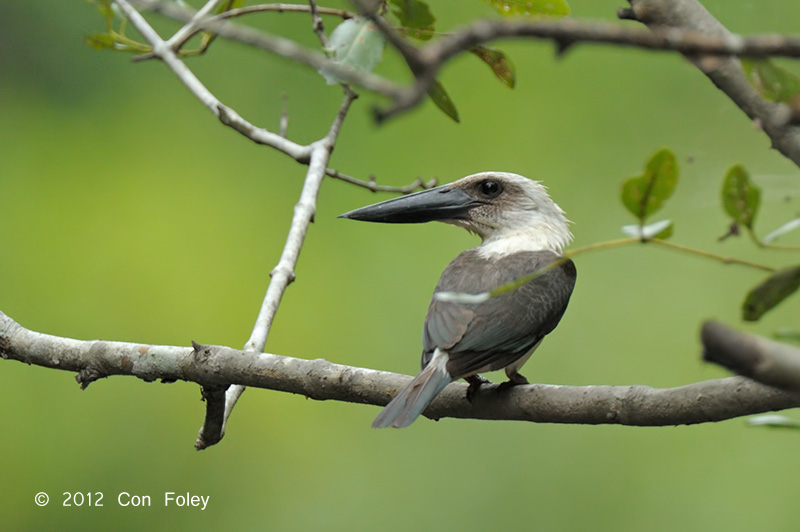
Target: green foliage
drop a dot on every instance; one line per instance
(356, 43)
(558, 8)
(500, 64)
(773, 290)
(442, 100)
(417, 21)
(740, 196)
(643, 195)
(772, 82)
(100, 41)
(415, 18)
(113, 39)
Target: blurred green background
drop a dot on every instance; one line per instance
(129, 213)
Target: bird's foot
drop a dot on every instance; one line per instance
(514, 379)
(475, 382)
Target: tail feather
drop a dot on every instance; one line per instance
(412, 400)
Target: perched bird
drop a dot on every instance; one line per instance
(522, 231)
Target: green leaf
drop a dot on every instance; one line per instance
(644, 195)
(443, 101)
(416, 19)
(501, 65)
(770, 293)
(771, 81)
(528, 8)
(101, 41)
(356, 43)
(228, 5)
(740, 196)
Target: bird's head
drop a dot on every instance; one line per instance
(508, 211)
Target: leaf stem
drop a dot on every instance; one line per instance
(713, 256)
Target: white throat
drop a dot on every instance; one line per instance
(543, 238)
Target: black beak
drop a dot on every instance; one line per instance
(440, 203)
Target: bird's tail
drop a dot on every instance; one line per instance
(409, 403)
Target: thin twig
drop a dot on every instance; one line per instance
(186, 32)
(317, 25)
(468, 298)
(226, 115)
(284, 8)
(713, 256)
(283, 273)
(277, 45)
(373, 186)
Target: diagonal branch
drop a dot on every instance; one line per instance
(761, 359)
(283, 274)
(271, 43)
(726, 72)
(227, 116)
(215, 366)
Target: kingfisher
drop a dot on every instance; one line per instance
(522, 231)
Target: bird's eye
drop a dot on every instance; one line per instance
(490, 188)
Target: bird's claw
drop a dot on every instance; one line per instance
(475, 382)
(514, 379)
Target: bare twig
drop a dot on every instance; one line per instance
(317, 24)
(372, 185)
(702, 402)
(284, 8)
(226, 115)
(283, 274)
(277, 45)
(189, 29)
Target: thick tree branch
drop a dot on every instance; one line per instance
(214, 366)
(726, 72)
(766, 361)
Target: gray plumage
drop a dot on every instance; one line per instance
(522, 231)
(492, 335)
